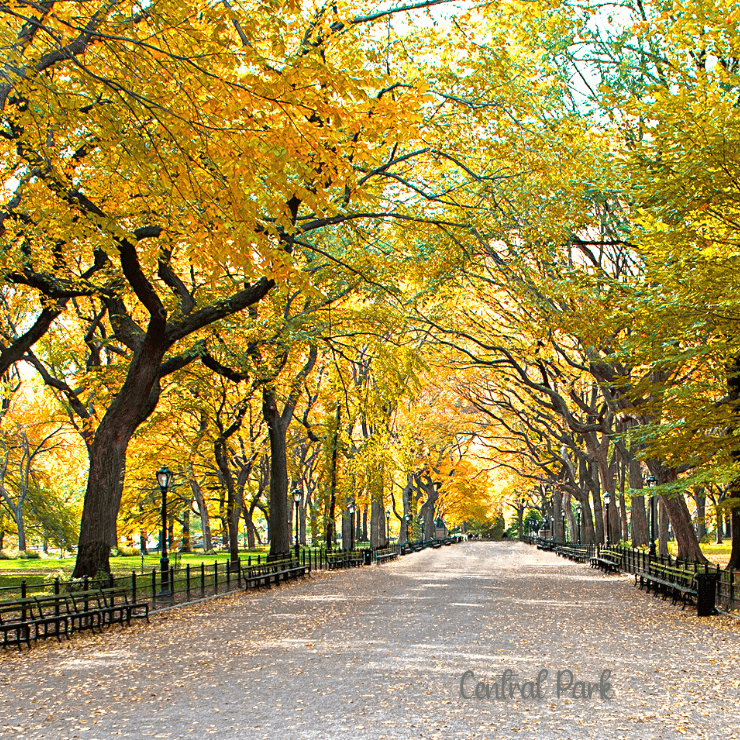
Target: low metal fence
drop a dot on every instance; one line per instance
(190, 583)
(637, 560)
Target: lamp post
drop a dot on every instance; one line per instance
(607, 501)
(387, 527)
(297, 498)
(578, 514)
(520, 512)
(651, 483)
(562, 516)
(164, 478)
(351, 510)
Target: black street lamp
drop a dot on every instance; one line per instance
(297, 498)
(351, 510)
(607, 501)
(562, 516)
(651, 483)
(578, 514)
(520, 513)
(387, 527)
(164, 478)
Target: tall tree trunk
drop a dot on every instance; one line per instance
(733, 387)
(134, 403)
(406, 496)
(377, 523)
(683, 529)
(624, 529)
(279, 514)
(249, 524)
(663, 526)
(205, 522)
(186, 546)
(329, 526)
(346, 530)
(233, 510)
(20, 526)
(598, 508)
(700, 498)
(719, 519)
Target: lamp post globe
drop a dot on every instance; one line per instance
(164, 478)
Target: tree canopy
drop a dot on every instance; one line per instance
(419, 259)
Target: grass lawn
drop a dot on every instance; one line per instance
(125, 564)
(717, 554)
(34, 571)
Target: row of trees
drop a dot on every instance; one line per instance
(598, 342)
(395, 255)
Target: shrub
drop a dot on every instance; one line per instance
(32, 555)
(5, 555)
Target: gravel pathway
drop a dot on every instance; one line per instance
(380, 653)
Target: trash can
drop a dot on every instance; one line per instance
(367, 556)
(706, 590)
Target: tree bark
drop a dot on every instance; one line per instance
(377, 523)
(700, 498)
(733, 387)
(331, 504)
(683, 529)
(279, 515)
(205, 522)
(186, 546)
(132, 405)
(719, 517)
(346, 530)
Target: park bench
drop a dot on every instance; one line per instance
(383, 556)
(15, 626)
(348, 559)
(604, 563)
(54, 615)
(266, 574)
(579, 555)
(29, 619)
(667, 580)
(117, 606)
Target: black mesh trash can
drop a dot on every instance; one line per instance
(706, 590)
(367, 556)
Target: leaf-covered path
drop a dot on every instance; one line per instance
(380, 652)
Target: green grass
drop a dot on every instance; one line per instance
(717, 554)
(132, 562)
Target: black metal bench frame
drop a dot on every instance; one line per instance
(608, 566)
(668, 582)
(379, 559)
(57, 615)
(257, 576)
